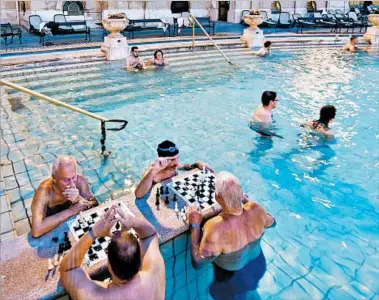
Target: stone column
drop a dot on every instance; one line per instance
(115, 44)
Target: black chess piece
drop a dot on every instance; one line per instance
(118, 225)
(60, 248)
(161, 189)
(55, 239)
(167, 201)
(167, 192)
(157, 196)
(175, 198)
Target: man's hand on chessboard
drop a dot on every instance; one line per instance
(202, 165)
(103, 227)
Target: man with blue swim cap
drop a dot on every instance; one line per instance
(165, 167)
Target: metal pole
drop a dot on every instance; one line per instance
(193, 37)
(206, 33)
(51, 100)
(18, 12)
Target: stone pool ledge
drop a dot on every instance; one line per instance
(23, 259)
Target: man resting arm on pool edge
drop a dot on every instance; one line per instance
(165, 167)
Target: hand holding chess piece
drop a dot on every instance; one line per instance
(102, 228)
(80, 206)
(204, 166)
(194, 215)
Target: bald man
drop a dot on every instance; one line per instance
(64, 194)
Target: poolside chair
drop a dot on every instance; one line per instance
(62, 19)
(34, 24)
(339, 12)
(357, 22)
(331, 12)
(284, 20)
(8, 31)
(266, 21)
(301, 22)
(344, 22)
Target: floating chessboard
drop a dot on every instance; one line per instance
(196, 189)
(79, 226)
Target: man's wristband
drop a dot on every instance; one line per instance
(192, 226)
(92, 234)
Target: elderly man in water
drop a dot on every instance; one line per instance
(135, 263)
(64, 194)
(231, 240)
(165, 167)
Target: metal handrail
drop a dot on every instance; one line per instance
(208, 36)
(73, 108)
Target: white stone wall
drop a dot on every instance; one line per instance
(8, 12)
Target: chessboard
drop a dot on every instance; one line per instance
(196, 189)
(83, 222)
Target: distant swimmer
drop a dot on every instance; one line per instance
(263, 113)
(262, 117)
(352, 44)
(134, 62)
(158, 59)
(265, 50)
(327, 115)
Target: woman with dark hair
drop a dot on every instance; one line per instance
(327, 115)
(158, 59)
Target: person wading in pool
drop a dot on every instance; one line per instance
(58, 198)
(327, 115)
(158, 59)
(165, 167)
(134, 62)
(351, 45)
(136, 264)
(265, 50)
(231, 240)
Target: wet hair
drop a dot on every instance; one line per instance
(327, 113)
(353, 37)
(134, 48)
(267, 44)
(62, 161)
(229, 189)
(167, 149)
(268, 96)
(156, 53)
(124, 256)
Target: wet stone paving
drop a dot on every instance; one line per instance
(30, 143)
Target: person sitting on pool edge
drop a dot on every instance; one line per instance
(351, 45)
(165, 167)
(265, 50)
(327, 115)
(231, 240)
(158, 59)
(135, 264)
(134, 62)
(65, 194)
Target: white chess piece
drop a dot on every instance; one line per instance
(56, 260)
(50, 265)
(176, 210)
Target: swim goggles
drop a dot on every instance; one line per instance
(170, 149)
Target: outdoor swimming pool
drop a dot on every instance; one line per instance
(324, 196)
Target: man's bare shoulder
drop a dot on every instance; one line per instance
(253, 207)
(45, 185)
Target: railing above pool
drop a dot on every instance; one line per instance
(73, 108)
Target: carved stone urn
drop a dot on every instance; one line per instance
(114, 26)
(253, 21)
(372, 34)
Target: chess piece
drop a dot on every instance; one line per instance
(55, 239)
(50, 265)
(176, 209)
(157, 196)
(167, 192)
(167, 201)
(56, 260)
(161, 190)
(175, 198)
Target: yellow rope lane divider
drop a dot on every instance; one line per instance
(51, 100)
(206, 33)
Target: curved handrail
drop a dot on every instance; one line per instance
(208, 36)
(73, 108)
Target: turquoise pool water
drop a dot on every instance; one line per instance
(324, 196)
